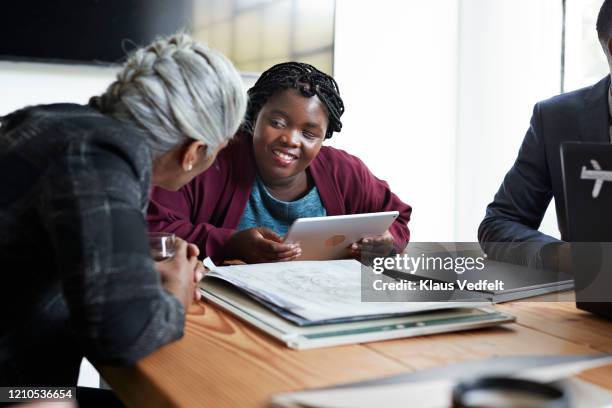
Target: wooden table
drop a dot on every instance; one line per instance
(223, 362)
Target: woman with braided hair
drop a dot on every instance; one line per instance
(78, 278)
(275, 171)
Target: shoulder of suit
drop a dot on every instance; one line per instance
(574, 99)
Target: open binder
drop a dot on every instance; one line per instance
(282, 316)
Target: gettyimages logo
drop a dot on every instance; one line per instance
(412, 264)
(430, 272)
(598, 175)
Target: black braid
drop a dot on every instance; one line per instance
(306, 79)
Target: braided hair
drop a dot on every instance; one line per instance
(177, 90)
(304, 78)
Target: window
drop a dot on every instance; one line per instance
(584, 61)
(256, 34)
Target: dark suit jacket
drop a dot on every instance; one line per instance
(517, 210)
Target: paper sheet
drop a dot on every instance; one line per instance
(430, 394)
(316, 290)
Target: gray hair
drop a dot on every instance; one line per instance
(175, 90)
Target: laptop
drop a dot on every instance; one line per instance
(520, 282)
(587, 182)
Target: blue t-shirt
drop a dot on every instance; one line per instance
(263, 210)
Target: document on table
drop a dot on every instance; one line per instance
(432, 394)
(316, 290)
(437, 393)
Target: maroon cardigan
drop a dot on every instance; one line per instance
(208, 209)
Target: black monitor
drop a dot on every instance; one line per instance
(90, 31)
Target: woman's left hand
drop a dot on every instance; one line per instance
(199, 272)
(372, 247)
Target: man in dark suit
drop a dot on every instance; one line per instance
(514, 216)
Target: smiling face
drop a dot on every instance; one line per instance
(288, 134)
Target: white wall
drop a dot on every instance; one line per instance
(439, 95)
(509, 60)
(585, 62)
(33, 83)
(28, 83)
(395, 63)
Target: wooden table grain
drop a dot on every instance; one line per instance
(223, 362)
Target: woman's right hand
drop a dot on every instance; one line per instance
(256, 245)
(179, 274)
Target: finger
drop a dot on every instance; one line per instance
(374, 252)
(382, 240)
(354, 248)
(193, 262)
(386, 237)
(196, 295)
(294, 253)
(368, 240)
(375, 247)
(377, 241)
(377, 238)
(193, 250)
(199, 272)
(291, 258)
(372, 245)
(274, 257)
(275, 247)
(383, 245)
(181, 248)
(271, 235)
(354, 252)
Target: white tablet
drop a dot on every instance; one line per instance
(323, 238)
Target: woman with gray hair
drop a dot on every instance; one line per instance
(78, 278)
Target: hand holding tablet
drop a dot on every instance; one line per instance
(323, 238)
(372, 246)
(260, 244)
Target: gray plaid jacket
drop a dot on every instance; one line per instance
(76, 278)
